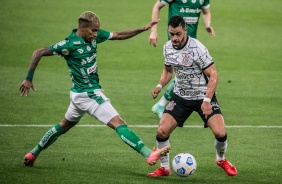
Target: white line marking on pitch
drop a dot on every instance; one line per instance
(145, 126)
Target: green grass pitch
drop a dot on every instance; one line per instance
(247, 54)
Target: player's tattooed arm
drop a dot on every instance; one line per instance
(122, 35)
(37, 55)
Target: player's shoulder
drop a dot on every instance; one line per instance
(193, 42)
(73, 40)
(168, 44)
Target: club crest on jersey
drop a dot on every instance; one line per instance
(186, 60)
(170, 106)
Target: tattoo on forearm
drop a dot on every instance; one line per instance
(36, 56)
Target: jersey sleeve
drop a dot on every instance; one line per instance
(103, 36)
(166, 2)
(204, 59)
(62, 48)
(166, 55)
(206, 4)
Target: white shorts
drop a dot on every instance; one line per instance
(81, 103)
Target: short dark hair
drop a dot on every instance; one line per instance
(176, 21)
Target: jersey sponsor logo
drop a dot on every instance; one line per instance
(189, 10)
(182, 76)
(88, 59)
(170, 106)
(92, 69)
(183, 92)
(88, 48)
(190, 20)
(65, 52)
(185, 1)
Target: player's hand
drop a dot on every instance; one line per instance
(151, 24)
(155, 92)
(206, 108)
(153, 39)
(210, 31)
(25, 87)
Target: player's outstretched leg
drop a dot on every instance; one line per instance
(49, 138)
(131, 139)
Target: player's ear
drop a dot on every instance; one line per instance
(83, 27)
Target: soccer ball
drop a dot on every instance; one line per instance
(184, 164)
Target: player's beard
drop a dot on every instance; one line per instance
(179, 44)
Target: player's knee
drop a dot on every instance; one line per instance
(66, 124)
(162, 134)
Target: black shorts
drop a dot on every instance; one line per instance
(180, 109)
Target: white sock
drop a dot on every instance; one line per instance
(162, 101)
(164, 159)
(221, 148)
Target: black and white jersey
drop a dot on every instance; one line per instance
(188, 64)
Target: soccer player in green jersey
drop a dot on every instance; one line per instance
(190, 10)
(79, 50)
